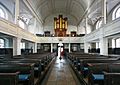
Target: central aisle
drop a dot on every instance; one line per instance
(61, 74)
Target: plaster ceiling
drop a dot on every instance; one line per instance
(74, 8)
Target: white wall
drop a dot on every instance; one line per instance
(71, 28)
(39, 29)
(81, 30)
(35, 27)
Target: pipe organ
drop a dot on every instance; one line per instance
(60, 26)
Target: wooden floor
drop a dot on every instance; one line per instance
(61, 74)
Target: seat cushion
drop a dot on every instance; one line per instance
(85, 68)
(98, 76)
(23, 77)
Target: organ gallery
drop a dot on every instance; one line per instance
(60, 26)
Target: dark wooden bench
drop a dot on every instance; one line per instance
(112, 77)
(80, 63)
(26, 71)
(104, 74)
(44, 58)
(9, 78)
(37, 64)
(96, 75)
(42, 63)
(84, 64)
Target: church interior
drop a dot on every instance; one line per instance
(59, 42)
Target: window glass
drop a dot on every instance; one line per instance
(116, 13)
(2, 14)
(118, 43)
(2, 43)
(22, 45)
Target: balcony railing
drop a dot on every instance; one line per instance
(68, 35)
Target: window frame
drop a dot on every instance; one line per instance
(115, 12)
(2, 45)
(4, 11)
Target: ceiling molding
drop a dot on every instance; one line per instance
(68, 5)
(86, 11)
(28, 4)
(53, 6)
(41, 5)
(80, 4)
(41, 2)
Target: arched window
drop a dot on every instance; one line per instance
(116, 13)
(99, 24)
(2, 13)
(2, 43)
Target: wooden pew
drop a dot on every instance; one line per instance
(9, 78)
(42, 62)
(96, 75)
(112, 77)
(26, 71)
(44, 58)
(84, 64)
(104, 74)
(82, 61)
(37, 64)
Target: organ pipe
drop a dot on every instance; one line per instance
(60, 22)
(55, 22)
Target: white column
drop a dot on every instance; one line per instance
(17, 8)
(51, 47)
(35, 23)
(104, 11)
(86, 47)
(97, 45)
(35, 48)
(16, 46)
(69, 48)
(103, 46)
(113, 43)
